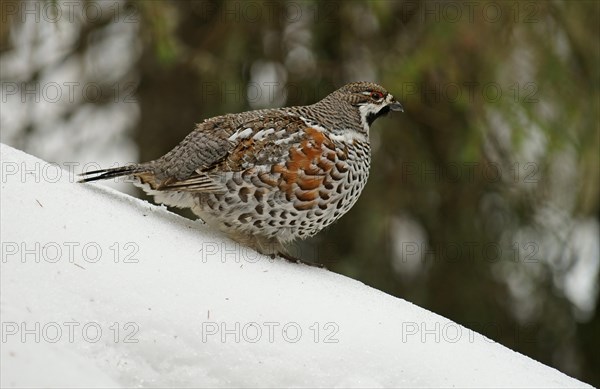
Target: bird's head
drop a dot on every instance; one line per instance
(371, 101)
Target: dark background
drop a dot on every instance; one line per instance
(482, 204)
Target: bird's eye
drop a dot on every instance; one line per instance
(376, 95)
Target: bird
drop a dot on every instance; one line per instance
(269, 177)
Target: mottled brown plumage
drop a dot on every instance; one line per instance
(270, 176)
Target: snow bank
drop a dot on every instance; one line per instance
(102, 289)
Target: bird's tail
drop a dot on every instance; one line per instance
(104, 174)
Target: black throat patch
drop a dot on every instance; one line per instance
(382, 112)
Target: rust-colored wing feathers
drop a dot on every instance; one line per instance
(284, 153)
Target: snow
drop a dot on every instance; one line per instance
(99, 289)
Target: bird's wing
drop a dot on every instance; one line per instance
(181, 168)
(278, 149)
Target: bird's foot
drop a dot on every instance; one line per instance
(289, 258)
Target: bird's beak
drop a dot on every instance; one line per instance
(396, 106)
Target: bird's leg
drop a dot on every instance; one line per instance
(289, 258)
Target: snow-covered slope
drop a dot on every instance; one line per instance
(102, 289)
